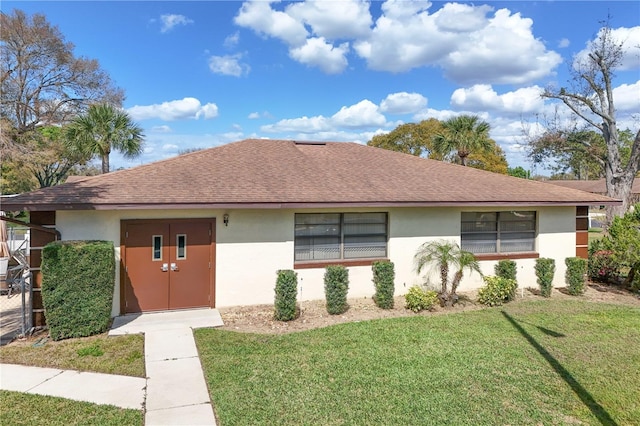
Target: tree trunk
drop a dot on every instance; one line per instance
(618, 187)
(105, 163)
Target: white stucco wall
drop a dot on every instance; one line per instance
(257, 243)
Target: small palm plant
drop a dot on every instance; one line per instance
(446, 255)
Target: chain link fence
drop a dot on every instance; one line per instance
(15, 288)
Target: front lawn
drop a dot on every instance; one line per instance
(26, 409)
(538, 362)
(122, 355)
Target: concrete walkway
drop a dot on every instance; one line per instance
(175, 391)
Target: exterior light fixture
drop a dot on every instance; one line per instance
(225, 219)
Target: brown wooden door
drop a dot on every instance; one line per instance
(168, 265)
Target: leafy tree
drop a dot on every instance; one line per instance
(445, 255)
(102, 129)
(520, 172)
(410, 138)
(44, 160)
(41, 80)
(492, 160)
(576, 153)
(464, 134)
(590, 98)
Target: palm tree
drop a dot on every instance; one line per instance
(465, 134)
(102, 129)
(444, 255)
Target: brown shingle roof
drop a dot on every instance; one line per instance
(278, 173)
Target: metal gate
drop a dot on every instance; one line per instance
(15, 287)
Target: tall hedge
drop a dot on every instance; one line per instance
(576, 275)
(383, 277)
(336, 287)
(506, 268)
(77, 287)
(286, 295)
(545, 270)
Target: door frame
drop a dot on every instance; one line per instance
(123, 253)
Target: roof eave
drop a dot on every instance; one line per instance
(297, 205)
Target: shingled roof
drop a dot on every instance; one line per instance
(259, 173)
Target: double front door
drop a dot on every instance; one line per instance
(168, 264)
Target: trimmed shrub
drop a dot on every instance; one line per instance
(576, 275)
(545, 269)
(418, 299)
(286, 295)
(506, 269)
(497, 290)
(77, 287)
(383, 276)
(336, 287)
(602, 267)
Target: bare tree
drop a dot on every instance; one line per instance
(41, 80)
(590, 97)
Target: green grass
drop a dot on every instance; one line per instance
(122, 355)
(26, 409)
(527, 363)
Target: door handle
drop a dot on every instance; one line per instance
(174, 267)
(164, 267)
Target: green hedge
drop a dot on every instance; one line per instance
(497, 290)
(286, 295)
(383, 277)
(506, 268)
(545, 269)
(77, 287)
(576, 275)
(336, 287)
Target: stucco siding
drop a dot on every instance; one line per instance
(257, 243)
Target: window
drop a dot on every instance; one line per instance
(156, 240)
(498, 232)
(336, 236)
(181, 246)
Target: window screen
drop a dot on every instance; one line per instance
(331, 236)
(498, 232)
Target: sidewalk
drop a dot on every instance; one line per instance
(174, 392)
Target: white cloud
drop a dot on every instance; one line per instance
(161, 129)
(403, 103)
(564, 43)
(304, 124)
(363, 114)
(170, 21)
(472, 44)
(627, 97)
(169, 147)
(257, 115)
(187, 108)
(482, 97)
(228, 65)
(495, 54)
(317, 52)
(260, 17)
(333, 19)
(232, 40)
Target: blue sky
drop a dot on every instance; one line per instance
(201, 74)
